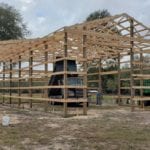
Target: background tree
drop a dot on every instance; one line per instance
(111, 85)
(11, 23)
(99, 14)
(108, 81)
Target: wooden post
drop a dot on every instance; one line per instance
(119, 92)
(19, 81)
(65, 71)
(10, 82)
(4, 81)
(100, 79)
(131, 64)
(46, 62)
(141, 80)
(85, 70)
(46, 71)
(30, 74)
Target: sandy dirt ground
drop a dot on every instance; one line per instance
(105, 127)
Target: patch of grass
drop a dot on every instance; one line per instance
(112, 128)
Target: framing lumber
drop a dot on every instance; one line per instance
(26, 62)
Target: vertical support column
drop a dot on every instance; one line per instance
(141, 80)
(19, 80)
(10, 81)
(65, 72)
(30, 74)
(100, 81)
(85, 70)
(131, 64)
(46, 66)
(119, 92)
(46, 71)
(4, 81)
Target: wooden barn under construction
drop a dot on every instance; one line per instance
(55, 68)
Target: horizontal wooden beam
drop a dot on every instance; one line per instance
(69, 100)
(46, 87)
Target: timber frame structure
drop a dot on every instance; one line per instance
(116, 37)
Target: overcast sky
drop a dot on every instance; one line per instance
(45, 16)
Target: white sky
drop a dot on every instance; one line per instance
(45, 16)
